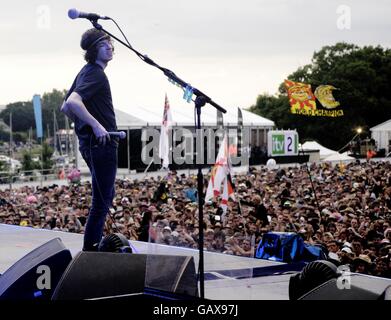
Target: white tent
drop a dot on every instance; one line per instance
(184, 116)
(338, 157)
(14, 164)
(382, 135)
(323, 151)
(140, 117)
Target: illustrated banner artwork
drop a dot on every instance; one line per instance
(324, 95)
(303, 101)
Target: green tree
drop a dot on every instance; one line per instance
(4, 172)
(23, 112)
(28, 163)
(4, 166)
(4, 135)
(51, 102)
(363, 77)
(47, 153)
(22, 115)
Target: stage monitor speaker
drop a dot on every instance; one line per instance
(313, 274)
(361, 287)
(36, 274)
(100, 275)
(386, 295)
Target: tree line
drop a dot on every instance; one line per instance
(363, 77)
(23, 115)
(361, 74)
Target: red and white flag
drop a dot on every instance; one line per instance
(219, 177)
(228, 192)
(164, 142)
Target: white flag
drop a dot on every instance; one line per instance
(219, 171)
(164, 143)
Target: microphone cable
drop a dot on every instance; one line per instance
(143, 57)
(165, 71)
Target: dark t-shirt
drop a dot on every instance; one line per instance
(93, 87)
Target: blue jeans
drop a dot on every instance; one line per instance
(102, 162)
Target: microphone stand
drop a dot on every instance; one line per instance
(200, 101)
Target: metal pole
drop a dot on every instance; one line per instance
(66, 137)
(76, 149)
(128, 148)
(41, 160)
(11, 152)
(54, 133)
(199, 103)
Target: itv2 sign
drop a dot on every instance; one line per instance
(282, 143)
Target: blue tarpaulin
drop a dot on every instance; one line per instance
(287, 247)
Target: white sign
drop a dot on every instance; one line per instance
(283, 143)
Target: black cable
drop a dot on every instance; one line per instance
(151, 62)
(198, 272)
(312, 187)
(200, 223)
(167, 72)
(126, 39)
(140, 55)
(171, 75)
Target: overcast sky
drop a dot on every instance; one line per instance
(232, 50)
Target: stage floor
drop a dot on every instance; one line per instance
(226, 276)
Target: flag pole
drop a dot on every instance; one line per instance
(11, 152)
(41, 160)
(239, 148)
(145, 171)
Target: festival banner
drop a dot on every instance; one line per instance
(303, 101)
(38, 115)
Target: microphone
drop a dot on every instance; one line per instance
(120, 134)
(74, 14)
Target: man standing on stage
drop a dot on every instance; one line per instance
(89, 104)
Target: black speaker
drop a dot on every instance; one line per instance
(330, 291)
(100, 275)
(386, 295)
(361, 287)
(313, 274)
(36, 274)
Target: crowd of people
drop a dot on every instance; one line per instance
(344, 209)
